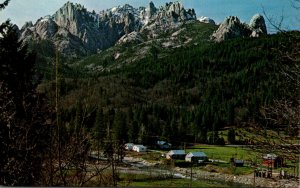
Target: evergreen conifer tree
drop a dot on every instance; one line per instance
(24, 115)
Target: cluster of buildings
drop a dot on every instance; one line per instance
(142, 148)
(163, 145)
(135, 147)
(269, 160)
(193, 157)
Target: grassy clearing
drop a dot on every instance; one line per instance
(226, 168)
(147, 181)
(152, 157)
(177, 183)
(224, 153)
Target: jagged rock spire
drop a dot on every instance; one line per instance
(232, 27)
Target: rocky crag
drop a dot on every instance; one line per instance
(77, 32)
(232, 27)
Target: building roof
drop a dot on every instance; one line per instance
(176, 152)
(238, 161)
(129, 144)
(140, 146)
(270, 156)
(163, 143)
(196, 154)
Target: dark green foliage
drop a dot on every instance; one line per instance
(99, 128)
(24, 114)
(231, 136)
(154, 52)
(16, 66)
(4, 4)
(216, 139)
(133, 132)
(120, 127)
(78, 123)
(62, 87)
(182, 96)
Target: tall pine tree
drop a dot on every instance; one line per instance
(24, 114)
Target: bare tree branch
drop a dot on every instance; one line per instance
(4, 4)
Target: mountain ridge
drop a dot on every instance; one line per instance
(76, 31)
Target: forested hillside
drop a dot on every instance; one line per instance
(181, 96)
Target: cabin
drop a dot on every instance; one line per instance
(139, 148)
(176, 154)
(196, 157)
(271, 160)
(237, 162)
(129, 146)
(163, 145)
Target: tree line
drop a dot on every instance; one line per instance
(202, 89)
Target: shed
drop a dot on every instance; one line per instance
(196, 157)
(163, 145)
(139, 148)
(237, 162)
(176, 154)
(129, 146)
(272, 160)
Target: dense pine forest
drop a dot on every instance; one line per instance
(190, 94)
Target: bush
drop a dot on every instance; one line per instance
(220, 141)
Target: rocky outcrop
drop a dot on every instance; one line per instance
(232, 27)
(16, 29)
(27, 25)
(76, 31)
(131, 37)
(72, 17)
(151, 10)
(167, 17)
(258, 25)
(175, 12)
(129, 23)
(46, 28)
(86, 27)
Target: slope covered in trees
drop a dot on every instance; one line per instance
(186, 94)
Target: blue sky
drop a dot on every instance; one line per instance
(20, 11)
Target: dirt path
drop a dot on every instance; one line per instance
(243, 179)
(141, 166)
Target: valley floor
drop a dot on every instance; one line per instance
(153, 174)
(243, 179)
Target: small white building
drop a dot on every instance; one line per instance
(139, 148)
(196, 157)
(129, 146)
(176, 154)
(163, 145)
